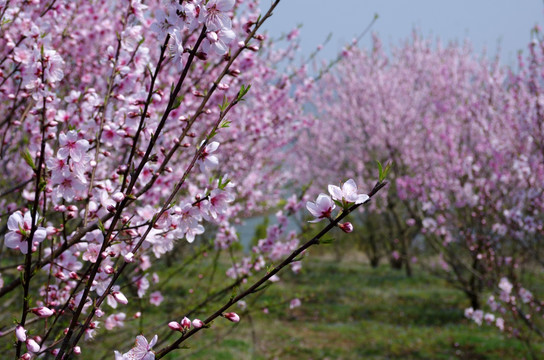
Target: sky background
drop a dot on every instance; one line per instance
(486, 23)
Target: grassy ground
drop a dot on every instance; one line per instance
(351, 311)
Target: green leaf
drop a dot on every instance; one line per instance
(224, 104)
(387, 170)
(28, 158)
(177, 102)
(380, 170)
(101, 226)
(211, 135)
(326, 241)
(243, 91)
(225, 124)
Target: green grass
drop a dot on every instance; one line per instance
(351, 311)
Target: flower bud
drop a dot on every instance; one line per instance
(247, 26)
(346, 227)
(197, 323)
(232, 317)
(20, 333)
(42, 311)
(175, 326)
(118, 197)
(129, 257)
(202, 55)
(77, 350)
(119, 297)
(186, 323)
(32, 345)
(26, 356)
(234, 72)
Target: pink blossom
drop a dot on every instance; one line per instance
(478, 316)
(137, 9)
(92, 253)
(175, 47)
(218, 202)
(525, 295)
(155, 298)
(489, 318)
(141, 351)
(499, 323)
(70, 184)
(186, 217)
(348, 193)
(294, 303)
(115, 320)
(216, 17)
(53, 65)
(71, 145)
(193, 231)
(206, 161)
(218, 41)
(165, 23)
(322, 208)
(505, 285)
(20, 228)
(129, 257)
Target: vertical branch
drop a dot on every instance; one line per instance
(34, 215)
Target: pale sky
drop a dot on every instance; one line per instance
(486, 23)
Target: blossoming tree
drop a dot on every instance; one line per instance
(123, 136)
(465, 138)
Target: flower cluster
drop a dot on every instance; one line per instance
(464, 134)
(125, 155)
(345, 197)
